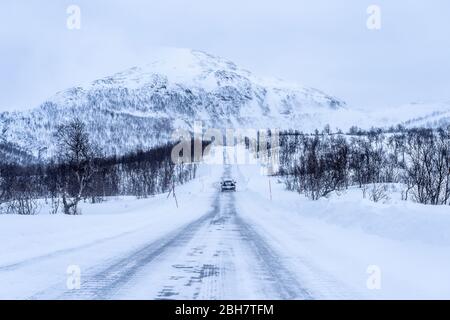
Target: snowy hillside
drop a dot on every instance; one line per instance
(424, 115)
(417, 114)
(143, 105)
(410, 115)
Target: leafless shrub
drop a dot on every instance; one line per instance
(55, 204)
(23, 204)
(378, 192)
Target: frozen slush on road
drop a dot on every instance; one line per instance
(229, 245)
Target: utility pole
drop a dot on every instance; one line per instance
(270, 190)
(172, 190)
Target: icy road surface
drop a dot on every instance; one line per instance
(261, 242)
(217, 256)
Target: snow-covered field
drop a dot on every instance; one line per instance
(245, 245)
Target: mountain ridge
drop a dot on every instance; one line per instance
(142, 106)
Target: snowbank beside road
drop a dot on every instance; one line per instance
(23, 237)
(331, 243)
(36, 250)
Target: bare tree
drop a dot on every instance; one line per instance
(76, 153)
(428, 169)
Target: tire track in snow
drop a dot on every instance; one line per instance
(58, 253)
(210, 273)
(201, 260)
(284, 283)
(104, 281)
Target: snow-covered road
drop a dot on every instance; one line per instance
(217, 256)
(261, 242)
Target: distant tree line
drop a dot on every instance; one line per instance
(324, 162)
(79, 172)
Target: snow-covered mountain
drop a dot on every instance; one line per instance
(410, 115)
(142, 106)
(430, 115)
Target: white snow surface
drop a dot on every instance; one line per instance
(243, 245)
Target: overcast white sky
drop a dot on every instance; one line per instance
(319, 43)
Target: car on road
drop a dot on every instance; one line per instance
(228, 185)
